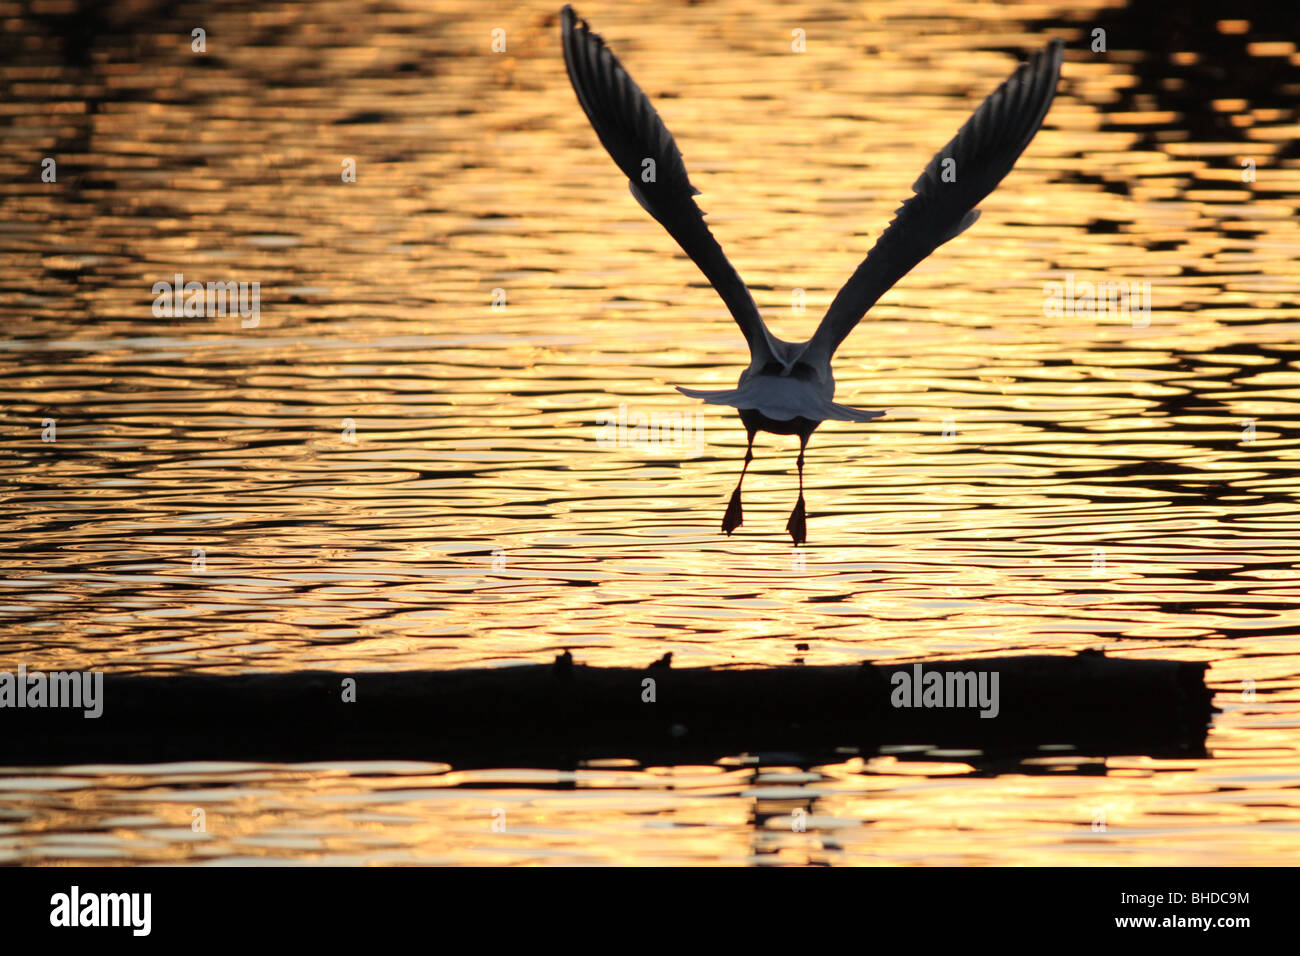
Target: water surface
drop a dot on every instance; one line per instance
(387, 472)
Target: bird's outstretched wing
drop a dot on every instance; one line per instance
(958, 177)
(635, 136)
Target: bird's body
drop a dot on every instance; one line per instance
(788, 387)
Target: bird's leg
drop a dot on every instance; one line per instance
(797, 526)
(731, 520)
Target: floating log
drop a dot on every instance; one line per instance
(560, 714)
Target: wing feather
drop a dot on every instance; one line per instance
(631, 131)
(984, 150)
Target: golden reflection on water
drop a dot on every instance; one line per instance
(477, 520)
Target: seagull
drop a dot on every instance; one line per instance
(788, 388)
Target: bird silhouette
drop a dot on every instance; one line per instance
(788, 388)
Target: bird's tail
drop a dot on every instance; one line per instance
(810, 407)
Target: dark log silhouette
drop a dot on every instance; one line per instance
(556, 715)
